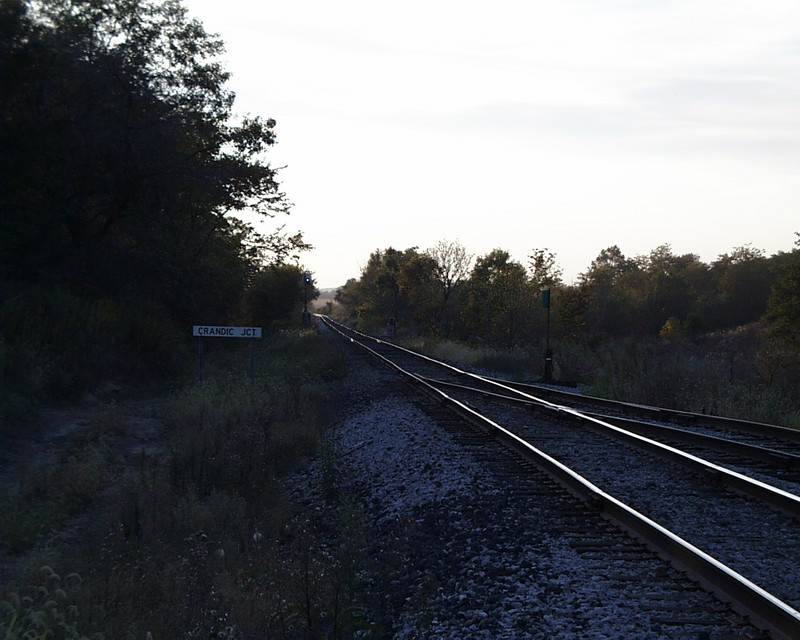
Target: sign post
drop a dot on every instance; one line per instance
(202, 331)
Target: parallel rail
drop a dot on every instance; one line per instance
(746, 597)
(787, 502)
(683, 418)
(780, 459)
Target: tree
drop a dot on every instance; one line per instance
(499, 299)
(639, 295)
(743, 281)
(598, 289)
(349, 296)
(452, 268)
(122, 174)
(418, 288)
(275, 297)
(545, 272)
(393, 284)
(609, 264)
(452, 264)
(671, 287)
(123, 165)
(783, 317)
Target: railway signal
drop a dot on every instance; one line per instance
(307, 281)
(548, 354)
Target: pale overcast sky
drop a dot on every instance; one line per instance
(571, 125)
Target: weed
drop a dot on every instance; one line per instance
(49, 494)
(57, 344)
(203, 544)
(45, 610)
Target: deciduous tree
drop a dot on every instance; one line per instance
(275, 297)
(122, 160)
(545, 271)
(452, 269)
(744, 279)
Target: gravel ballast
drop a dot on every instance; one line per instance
(451, 551)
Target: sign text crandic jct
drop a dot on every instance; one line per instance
(226, 332)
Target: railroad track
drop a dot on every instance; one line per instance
(769, 456)
(735, 535)
(772, 437)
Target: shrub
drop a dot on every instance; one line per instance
(56, 344)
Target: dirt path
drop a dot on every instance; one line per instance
(126, 428)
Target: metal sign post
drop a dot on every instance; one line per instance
(200, 349)
(202, 331)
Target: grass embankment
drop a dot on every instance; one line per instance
(197, 540)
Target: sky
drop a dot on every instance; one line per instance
(569, 126)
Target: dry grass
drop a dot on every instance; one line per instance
(199, 541)
(723, 374)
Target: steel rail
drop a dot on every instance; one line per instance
(686, 418)
(747, 598)
(752, 451)
(787, 502)
(660, 413)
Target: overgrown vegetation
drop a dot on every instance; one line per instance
(49, 494)
(727, 373)
(55, 344)
(198, 541)
(123, 171)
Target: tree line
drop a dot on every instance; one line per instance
(124, 170)
(496, 300)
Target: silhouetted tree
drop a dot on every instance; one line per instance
(393, 284)
(122, 171)
(419, 290)
(545, 272)
(603, 310)
(744, 279)
(121, 162)
(670, 287)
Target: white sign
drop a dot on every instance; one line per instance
(226, 332)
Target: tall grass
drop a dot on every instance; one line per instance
(721, 374)
(521, 364)
(201, 542)
(49, 494)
